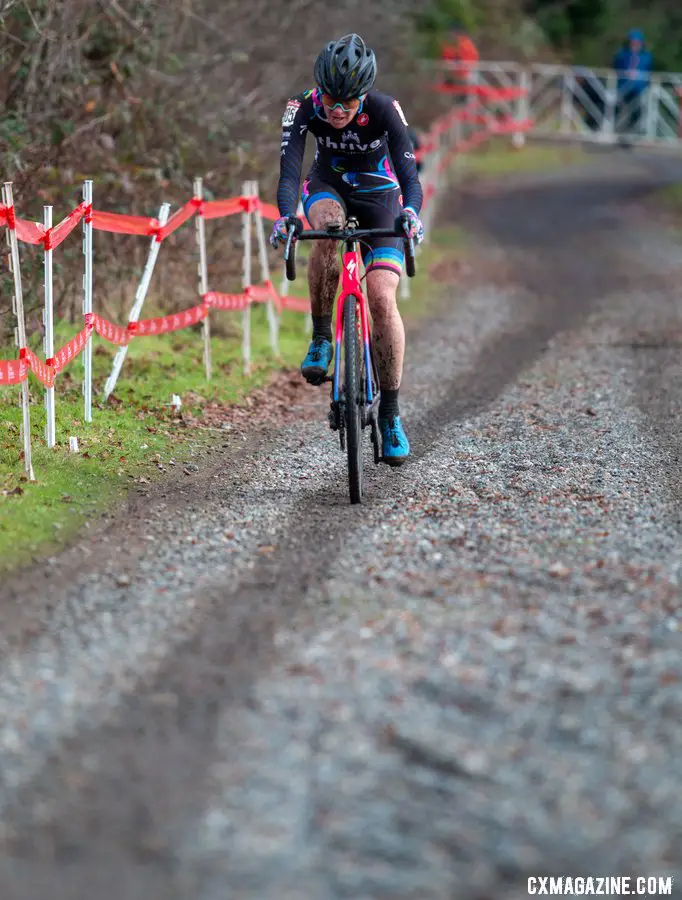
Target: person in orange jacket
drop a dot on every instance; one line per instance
(459, 54)
(459, 57)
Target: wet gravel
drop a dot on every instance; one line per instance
(471, 680)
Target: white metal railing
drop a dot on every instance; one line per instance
(575, 102)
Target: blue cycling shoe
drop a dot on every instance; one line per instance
(395, 448)
(314, 366)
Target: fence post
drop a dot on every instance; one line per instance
(87, 300)
(611, 107)
(273, 318)
(652, 104)
(203, 275)
(522, 108)
(246, 280)
(20, 333)
(48, 321)
(567, 95)
(140, 297)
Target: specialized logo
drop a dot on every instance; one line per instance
(362, 119)
(351, 267)
(400, 112)
(290, 112)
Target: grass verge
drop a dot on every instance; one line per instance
(499, 157)
(136, 438)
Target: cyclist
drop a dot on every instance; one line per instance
(364, 167)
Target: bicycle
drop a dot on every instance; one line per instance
(355, 404)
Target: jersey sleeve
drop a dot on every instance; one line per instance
(402, 155)
(292, 148)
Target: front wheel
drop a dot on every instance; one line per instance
(353, 365)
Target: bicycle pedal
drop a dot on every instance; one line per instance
(315, 380)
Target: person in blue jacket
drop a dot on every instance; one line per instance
(633, 62)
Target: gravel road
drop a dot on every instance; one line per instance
(244, 688)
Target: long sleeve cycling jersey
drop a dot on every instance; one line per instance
(373, 153)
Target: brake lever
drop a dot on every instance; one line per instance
(290, 238)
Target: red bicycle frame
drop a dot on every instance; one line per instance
(351, 287)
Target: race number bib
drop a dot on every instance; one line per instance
(290, 113)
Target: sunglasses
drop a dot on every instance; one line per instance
(331, 104)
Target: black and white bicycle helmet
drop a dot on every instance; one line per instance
(346, 68)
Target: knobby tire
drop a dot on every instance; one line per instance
(353, 384)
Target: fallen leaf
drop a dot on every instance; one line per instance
(559, 570)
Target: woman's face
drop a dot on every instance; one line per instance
(340, 113)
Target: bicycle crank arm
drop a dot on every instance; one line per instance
(371, 415)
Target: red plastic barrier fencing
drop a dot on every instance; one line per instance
(16, 371)
(218, 209)
(184, 214)
(484, 91)
(264, 293)
(119, 223)
(215, 300)
(35, 233)
(74, 347)
(13, 371)
(269, 211)
(470, 115)
(165, 324)
(296, 304)
(112, 334)
(59, 233)
(44, 373)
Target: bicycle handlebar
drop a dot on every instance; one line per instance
(349, 234)
(345, 234)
